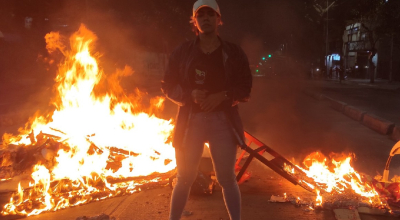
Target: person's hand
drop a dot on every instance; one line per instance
(212, 101)
(198, 96)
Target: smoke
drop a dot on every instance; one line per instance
(119, 46)
(253, 47)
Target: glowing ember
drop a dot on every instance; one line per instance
(102, 135)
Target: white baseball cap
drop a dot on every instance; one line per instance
(206, 3)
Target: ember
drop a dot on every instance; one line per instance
(93, 142)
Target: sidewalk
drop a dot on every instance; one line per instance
(375, 105)
(378, 83)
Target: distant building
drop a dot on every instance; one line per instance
(356, 48)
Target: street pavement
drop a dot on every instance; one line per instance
(292, 123)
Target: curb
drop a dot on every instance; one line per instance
(317, 96)
(378, 124)
(396, 133)
(395, 88)
(337, 105)
(354, 113)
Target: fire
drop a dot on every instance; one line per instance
(335, 178)
(101, 135)
(318, 200)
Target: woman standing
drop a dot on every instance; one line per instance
(207, 78)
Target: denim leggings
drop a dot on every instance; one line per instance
(212, 128)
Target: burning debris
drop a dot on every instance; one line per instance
(96, 142)
(340, 188)
(334, 181)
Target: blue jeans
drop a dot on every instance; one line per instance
(212, 128)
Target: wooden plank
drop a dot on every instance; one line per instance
(371, 211)
(346, 214)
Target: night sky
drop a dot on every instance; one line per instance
(259, 26)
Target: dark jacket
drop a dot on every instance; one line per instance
(176, 85)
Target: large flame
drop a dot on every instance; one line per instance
(94, 127)
(335, 179)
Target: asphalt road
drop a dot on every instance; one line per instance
(293, 124)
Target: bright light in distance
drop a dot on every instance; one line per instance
(335, 56)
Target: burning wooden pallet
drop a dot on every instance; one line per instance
(17, 159)
(346, 202)
(273, 160)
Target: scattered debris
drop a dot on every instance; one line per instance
(98, 217)
(187, 213)
(278, 199)
(346, 214)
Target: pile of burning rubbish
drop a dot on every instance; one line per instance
(96, 142)
(339, 187)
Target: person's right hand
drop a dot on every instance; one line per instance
(198, 96)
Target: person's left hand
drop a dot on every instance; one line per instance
(212, 101)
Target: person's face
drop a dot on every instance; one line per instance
(207, 20)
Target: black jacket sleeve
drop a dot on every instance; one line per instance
(171, 85)
(241, 79)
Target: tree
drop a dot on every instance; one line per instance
(326, 19)
(390, 19)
